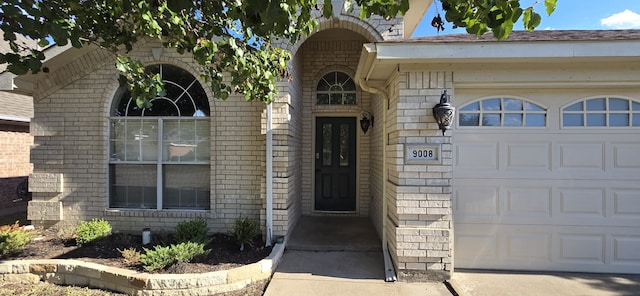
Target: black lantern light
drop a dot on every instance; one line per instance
(444, 112)
(366, 121)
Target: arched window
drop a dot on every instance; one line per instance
(602, 112)
(507, 112)
(159, 156)
(336, 88)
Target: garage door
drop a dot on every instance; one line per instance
(538, 190)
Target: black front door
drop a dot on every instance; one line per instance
(335, 155)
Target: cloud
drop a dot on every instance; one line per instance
(622, 20)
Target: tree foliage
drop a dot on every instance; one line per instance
(226, 37)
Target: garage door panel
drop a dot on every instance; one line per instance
(477, 156)
(626, 203)
(582, 248)
(625, 155)
(525, 201)
(528, 155)
(479, 201)
(581, 156)
(560, 248)
(582, 202)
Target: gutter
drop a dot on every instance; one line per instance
(366, 63)
(269, 181)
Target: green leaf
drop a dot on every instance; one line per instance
(550, 5)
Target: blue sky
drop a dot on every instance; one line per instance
(569, 15)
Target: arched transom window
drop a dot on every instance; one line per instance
(511, 112)
(602, 112)
(159, 156)
(336, 88)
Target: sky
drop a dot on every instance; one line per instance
(569, 15)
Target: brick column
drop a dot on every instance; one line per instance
(421, 235)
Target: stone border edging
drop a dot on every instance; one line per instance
(87, 274)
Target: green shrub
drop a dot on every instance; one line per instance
(245, 231)
(162, 257)
(192, 231)
(13, 238)
(158, 258)
(88, 232)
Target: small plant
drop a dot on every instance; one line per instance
(88, 232)
(192, 231)
(245, 231)
(13, 238)
(161, 257)
(131, 256)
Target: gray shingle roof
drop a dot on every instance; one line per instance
(539, 35)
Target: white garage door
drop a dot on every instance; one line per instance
(530, 194)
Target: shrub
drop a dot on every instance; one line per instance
(245, 231)
(13, 238)
(131, 256)
(192, 231)
(161, 257)
(88, 232)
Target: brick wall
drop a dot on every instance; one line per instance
(420, 210)
(15, 142)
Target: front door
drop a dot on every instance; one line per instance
(335, 155)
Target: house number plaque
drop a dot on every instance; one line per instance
(422, 153)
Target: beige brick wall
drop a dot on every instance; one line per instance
(420, 208)
(15, 142)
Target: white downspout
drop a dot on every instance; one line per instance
(389, 270)
(269, 181)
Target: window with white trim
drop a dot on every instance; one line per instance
(336, 88)
(602, 112)
(159, 156)
(507, 112)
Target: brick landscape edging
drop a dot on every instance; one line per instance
(87, 274)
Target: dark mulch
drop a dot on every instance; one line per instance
(225, 252)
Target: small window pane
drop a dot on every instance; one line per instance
(575, 107)
(469, 119)
(491, 104)
(596, 119)
(572, 120)
(162, 107)
(350, 99)
(475, 106)
(323, 99)
(133, 186)
(618, 105)
(636, 120)
(491, 120)
(596, 105)
(512, 105)
(323, 85)
(618, 119)
(326, 144)
(532, 107)
(186, 187)
(513, 120)
(336, 99)
(349, 85)
(636, 106)
(535, 120)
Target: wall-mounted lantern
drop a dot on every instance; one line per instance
(444, 112)
(366, 121)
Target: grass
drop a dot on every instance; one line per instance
(43, 288)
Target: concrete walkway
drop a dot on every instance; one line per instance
(315, 273)
(495, 283)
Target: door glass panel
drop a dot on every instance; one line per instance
(636, 119)
(636, 106)
(596, 120)
(596, 105)
(533, 107)
(575, 107)
(618, 105)
(491, 119)
(535, 120)
(469, 119)
(344, 145)
(512, 105)
(326, 144)
(491, 104)
(572, 120)
(513, 120)
(619, 120)
(475, 106)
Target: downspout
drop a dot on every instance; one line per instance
(269, 181)
(389, 270)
